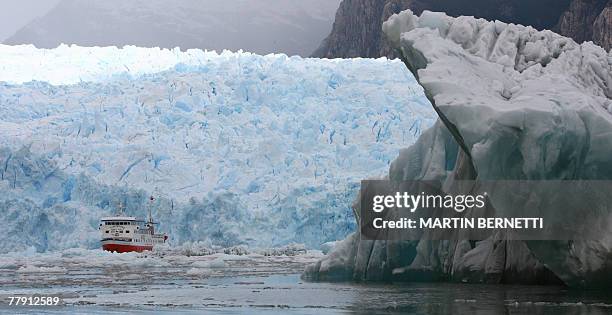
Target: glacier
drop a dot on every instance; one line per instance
(237, 148)
(513, 103)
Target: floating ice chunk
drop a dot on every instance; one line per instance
(328, 246)
(11, 265)
(40, 269)
(218, 262)
(197, 272)
(435, 20)
(514, 103)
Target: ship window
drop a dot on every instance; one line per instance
(106, 231)
(127, 231)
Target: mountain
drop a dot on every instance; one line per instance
(513, 103)
(588, 20)
(260, 26)
(18, 14)
(357, 32)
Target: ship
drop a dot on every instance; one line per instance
(123, 234)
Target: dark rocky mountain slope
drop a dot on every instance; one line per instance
(357, 28)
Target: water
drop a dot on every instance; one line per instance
(94, 283)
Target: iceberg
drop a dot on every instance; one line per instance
(513, 103)
(237, 148)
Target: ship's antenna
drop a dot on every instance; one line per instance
(151, 199)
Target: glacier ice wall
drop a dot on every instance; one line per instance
(513, 103)
(238, 148)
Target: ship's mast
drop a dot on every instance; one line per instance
(151, 225)
(151, 199)
(120, 208)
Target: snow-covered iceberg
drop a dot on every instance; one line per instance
(238, 148)
(513, 103)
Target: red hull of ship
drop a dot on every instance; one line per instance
(122, 248)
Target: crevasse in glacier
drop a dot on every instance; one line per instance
(237, 148)
(513, 103)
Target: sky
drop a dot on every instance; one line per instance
(16, 14)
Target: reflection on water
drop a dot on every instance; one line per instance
(446, 298)
(260, 285)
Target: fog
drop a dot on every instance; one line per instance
(260, 26)
(16, 14)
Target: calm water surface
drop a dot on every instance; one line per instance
(260, 285)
